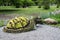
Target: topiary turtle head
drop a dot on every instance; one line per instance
(17, 22)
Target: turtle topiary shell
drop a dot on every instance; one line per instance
(18, 27)
(17, 23)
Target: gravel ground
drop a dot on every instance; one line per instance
(43, 32)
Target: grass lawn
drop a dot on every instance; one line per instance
(33, 10)
(30, 10)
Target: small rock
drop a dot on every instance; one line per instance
(50, 21)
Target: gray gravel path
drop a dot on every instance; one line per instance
(44, 32)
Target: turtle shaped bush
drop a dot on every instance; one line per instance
(19, 24)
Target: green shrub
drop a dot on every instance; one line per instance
(39, 6)
(27, 3)
(46, 6)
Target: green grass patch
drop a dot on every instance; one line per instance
(56, 17)
(8, 8)
(1, 23)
